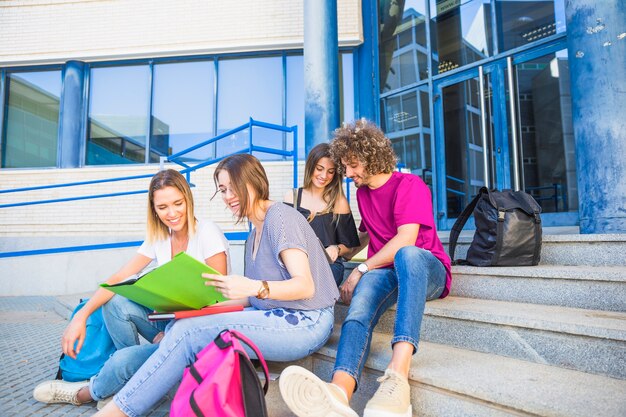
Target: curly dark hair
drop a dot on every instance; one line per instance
(364, 141)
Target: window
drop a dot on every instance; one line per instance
(250, 87)
(403, 52)
(32, 119)
(523, 22)
(182, 109)
(461, 33)
(407, 123)
(118, 116)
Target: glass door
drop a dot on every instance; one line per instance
(469, 151)
(540, 87)
(507, 125)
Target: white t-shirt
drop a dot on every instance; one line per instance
(206, 242)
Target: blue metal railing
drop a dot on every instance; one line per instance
(176, 158)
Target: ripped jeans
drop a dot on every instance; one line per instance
(280, 334)
(417, 276)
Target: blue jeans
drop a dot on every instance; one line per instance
(126, 320)
(280, 334)
(417, 276)
(337, 268)
(118, 370)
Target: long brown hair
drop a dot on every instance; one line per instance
(245, 170)
(156, 230)
(333, 191)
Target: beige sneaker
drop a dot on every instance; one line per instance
(308, 396)
(392, 399)
(58, 391)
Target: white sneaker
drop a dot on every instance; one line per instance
(58, 391)
(100, 405)
(392, 398)
(308, 396)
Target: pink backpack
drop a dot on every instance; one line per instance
(222, 382)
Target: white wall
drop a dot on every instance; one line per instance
(54, 31)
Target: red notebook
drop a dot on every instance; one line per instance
(194, 313)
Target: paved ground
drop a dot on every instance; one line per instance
(30, 331)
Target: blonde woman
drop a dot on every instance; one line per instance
(171, 228)
(288, 291)
(322, 202)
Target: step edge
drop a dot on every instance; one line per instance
(524, 405)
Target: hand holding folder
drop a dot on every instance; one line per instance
(194, 313)
(175, 285)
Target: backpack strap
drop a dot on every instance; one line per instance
(460, 222)
(537, 252)
(297, 197)
(243, 339)
(499, 236)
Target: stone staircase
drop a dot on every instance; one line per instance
(548, 340)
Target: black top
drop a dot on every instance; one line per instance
(340, 231)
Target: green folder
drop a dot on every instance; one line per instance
(175, 285)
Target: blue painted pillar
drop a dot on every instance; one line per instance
(365, 62)
(321, 71)
(71, 115)
(596, 43)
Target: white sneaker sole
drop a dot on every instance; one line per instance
(381, 413)
(308, 396)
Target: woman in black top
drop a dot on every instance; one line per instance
(322, 201)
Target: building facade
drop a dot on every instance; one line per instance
(471, 93)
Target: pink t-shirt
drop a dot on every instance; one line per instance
(403, 199)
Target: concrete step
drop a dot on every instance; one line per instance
(568, 249)
(589, 287)
(586, 340)
(451, 382)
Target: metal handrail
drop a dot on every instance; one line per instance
(174, 159)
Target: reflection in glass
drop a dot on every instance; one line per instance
(118, 115)
(182, 109)
(403, 53)
(524, 21)
(32, 119)
(463, 141)
(546, 132)
(406, 122)
(461, 33)
(249, 87)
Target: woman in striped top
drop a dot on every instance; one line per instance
(287, 287)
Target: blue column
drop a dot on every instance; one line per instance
(597, 59)
(365, 62)
(71, 114)
(321, 71)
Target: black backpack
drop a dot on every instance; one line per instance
(508, 229)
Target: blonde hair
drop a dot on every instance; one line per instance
(244, 170)
(333, 191)
(364, 141)
(156, 230)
